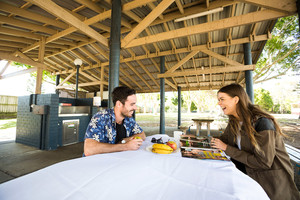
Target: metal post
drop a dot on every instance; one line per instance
(162, 96)
(115, 44)
(57, 83)
(179, 106)
(248, 73)
(77, 78)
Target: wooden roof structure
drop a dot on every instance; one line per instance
(203, 52)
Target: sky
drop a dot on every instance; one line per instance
(17, 85)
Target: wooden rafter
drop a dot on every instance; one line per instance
(182, 61)
(208, 71)
(210, 26)
(146, 22)
(286, 6)
(58, 11)
(9, 57)
(220, 57)
(184, 50)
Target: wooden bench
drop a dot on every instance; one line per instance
(294, 154)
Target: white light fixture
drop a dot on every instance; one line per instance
(199, 14)
(78, 61)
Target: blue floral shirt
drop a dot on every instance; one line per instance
(102, 127)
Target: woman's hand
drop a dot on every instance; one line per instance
(218, 144)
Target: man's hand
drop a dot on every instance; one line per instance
(134, 144)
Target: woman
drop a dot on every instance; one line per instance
(254, 142)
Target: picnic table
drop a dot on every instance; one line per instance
(199, 122)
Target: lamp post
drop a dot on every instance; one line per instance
(78, 63)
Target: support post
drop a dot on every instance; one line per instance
(179, 105)
(162, 96)
(248, 73)
(57, 83)
(115, 45)
(39, 72)
(77, 79)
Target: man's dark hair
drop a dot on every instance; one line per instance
(121, 93)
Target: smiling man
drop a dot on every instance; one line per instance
(114, 130)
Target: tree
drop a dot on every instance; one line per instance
(187, 101)
(47, 77)
(263, 99)
(281, 53)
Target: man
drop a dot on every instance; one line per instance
(114, 130)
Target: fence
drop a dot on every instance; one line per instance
(8, 104)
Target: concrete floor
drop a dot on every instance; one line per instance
(17, 159)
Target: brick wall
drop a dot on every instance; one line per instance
(29, 124)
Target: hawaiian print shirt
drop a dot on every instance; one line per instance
(102, 127)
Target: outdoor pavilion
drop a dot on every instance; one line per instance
(141, 43)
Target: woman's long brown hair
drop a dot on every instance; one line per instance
(247, 113)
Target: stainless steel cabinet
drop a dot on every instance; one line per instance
(70, 131)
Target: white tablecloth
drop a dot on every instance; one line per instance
(135, 175)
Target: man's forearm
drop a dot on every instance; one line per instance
(92, 147)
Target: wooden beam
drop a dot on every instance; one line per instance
(90, 21)
(220, 57)
(82, 84)
(20, 33)
(95, 7)
(134, 4)
(91, 5)
(102, 52)
(147, 72)
(88, 76)
(9, 57)
(138, 74)
(128, 76)
(170, 84)
(152, 6)
(213, 70)
(146, 21)
(180, 7)
(31, 15)
(208, 27)
(67, 78)
(182, 61)
(58, 11)
(287, 6)
(183, 50)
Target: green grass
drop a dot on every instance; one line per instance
(9, 124)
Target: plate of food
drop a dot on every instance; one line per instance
(163, 148)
